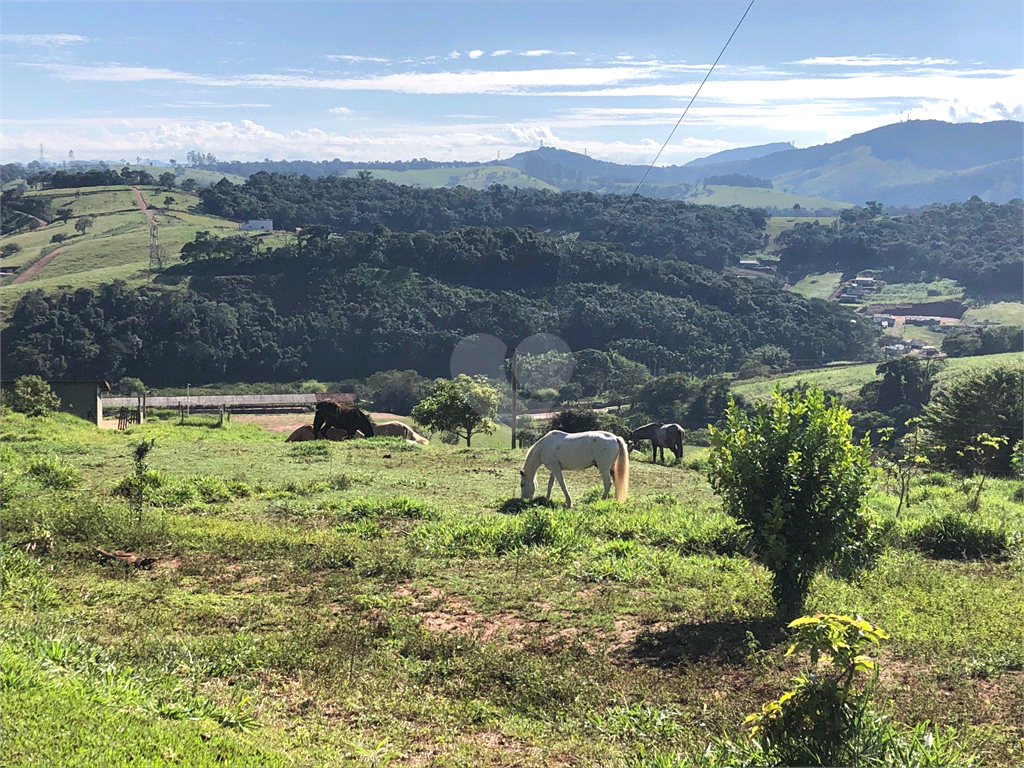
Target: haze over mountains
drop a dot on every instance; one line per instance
(911, 163)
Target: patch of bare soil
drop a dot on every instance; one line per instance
(36, 268)
(447, 613)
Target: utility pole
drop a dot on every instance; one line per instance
(515, 394)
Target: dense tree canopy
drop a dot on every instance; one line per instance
(978, 244)
(700, 234)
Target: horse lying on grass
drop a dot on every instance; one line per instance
(305, 432)
(347, 417)
(560, 450)
(398, 429)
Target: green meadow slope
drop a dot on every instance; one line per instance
(373, 602)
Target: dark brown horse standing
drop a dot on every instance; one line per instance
(347, 417)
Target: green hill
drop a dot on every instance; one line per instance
(115, 247)
(475, 178)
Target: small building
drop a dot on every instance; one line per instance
(864, 282)
(79, 398)
(749, 263)
(255, 225)
(886, 321)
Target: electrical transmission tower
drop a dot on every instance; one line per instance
(156, 251)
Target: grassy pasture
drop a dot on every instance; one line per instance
(779, 224)
(115, 247)
(848, 379)
(475, 178)
(818, 286)
(1000, 313)
(374, 602)
(756, 197)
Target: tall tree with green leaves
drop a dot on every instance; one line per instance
(464, 406)
(791, 474)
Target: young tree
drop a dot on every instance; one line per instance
(33, 396)
(792, 476)
(462, 407)
(987, 401)
(83, 224)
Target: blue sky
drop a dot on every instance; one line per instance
(470, 81)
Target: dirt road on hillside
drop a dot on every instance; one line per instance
(142, 204)
(36, 268)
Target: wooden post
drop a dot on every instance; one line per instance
(220, 421)
(515, 395)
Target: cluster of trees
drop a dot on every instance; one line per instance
(98, 177)
(739, 180)
(664, 229)
(975, 243)
(302, 320)
(18, 211)
(966, 341)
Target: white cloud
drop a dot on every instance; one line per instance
(355, 59)
(47, 40)
(476, 54)
(157, 137)
(454, 55)
(500, 53)
(539, 52)
(340, 111)
(872, 61)
(497, 81)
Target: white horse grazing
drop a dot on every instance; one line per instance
(560, 450)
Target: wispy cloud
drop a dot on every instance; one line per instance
(497, 81)
(539, 52)
(872, 61)
(454, 55)
(355, 59)
(246, 139)
(500, 53)
(476, 54)
(45, 40)
(217, 105)
(340, 111)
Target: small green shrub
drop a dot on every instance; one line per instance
(958, 536)
(23, 583)
(53, 472)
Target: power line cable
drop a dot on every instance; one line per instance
(680, 120)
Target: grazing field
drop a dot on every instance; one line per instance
(373, 602)
(114, 247)
(756, 197)
(779, 224)
(475, 178)
(848, 379)
(1001, 313)
(818, 286)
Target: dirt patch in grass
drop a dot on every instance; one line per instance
(289, 422)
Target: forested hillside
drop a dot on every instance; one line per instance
(699, 234)
(979, 244)
(347, 307)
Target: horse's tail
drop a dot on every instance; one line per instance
(620, 471)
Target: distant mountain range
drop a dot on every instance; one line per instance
(911, 163)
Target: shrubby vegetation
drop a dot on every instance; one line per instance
(795, 480)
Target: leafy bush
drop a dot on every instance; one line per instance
(33, 396)
(957, 536)
(793, 478)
